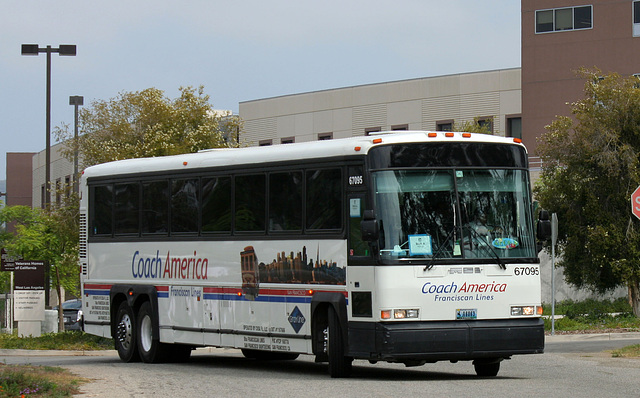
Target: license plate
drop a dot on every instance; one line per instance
(467, 314)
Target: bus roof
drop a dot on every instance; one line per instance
(343, 147)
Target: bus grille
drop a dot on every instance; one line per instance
(82, 249)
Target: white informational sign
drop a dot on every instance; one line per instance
(420, 245)
(354, 208)
(28, 305)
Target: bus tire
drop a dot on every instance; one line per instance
(339, 364)
(149, 346)
(125, 334)
(487, 368)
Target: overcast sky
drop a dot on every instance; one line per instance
(239, 50)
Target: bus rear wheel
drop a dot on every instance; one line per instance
(125, 334)
(149, 346)
(339, 364)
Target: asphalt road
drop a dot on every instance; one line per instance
(573, 366)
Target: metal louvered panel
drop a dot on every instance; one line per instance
(82, 250)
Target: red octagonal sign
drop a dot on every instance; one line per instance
(635, 202)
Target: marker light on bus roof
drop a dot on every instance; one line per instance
(466, 135)
(357, 149)
(448, 135)
(377, 140)
(432, 135)
(517, 140)
(184, 163)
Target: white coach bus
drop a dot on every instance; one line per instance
(411, 247)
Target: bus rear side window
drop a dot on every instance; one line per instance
(324, 199)
(155, 207)
(250, 203)
(184, 205)
(127, 205)
(102, 220)
(216, 204)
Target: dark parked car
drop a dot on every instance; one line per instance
(73, 316)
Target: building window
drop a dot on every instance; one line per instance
(265, 142)
(325, 136)
(444, 125)
(371, 130)
(400, 127)
(562, 19)
(636, 18)
(58, 192)
(514, 126)
(486, 123)
(288, 140)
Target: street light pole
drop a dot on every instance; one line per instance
(76, 101)
(34, 49)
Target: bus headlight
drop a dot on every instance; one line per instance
(527, 310)
(403, 314)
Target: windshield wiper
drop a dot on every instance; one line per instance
(486, 245)
(435, 256)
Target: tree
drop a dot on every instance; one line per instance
(147, 123)
(47, 235)
(591, 165)
(478, 125)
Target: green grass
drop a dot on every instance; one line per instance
(37, 381)
(593, 316)
(631, 351)
(78, 341)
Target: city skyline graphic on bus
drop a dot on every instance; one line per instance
(287, 268)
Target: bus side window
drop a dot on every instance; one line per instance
(324, 199)
(155, 207)
(285, 201)
(216, 205)
(184, 205)
(250, 203)
(127, 204)
(102, 217)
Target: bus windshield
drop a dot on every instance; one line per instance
(453, 214)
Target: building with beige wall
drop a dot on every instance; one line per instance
(430, 103)
(61, 175)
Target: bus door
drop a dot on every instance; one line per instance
(360, 272)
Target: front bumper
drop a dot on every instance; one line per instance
(445, 340)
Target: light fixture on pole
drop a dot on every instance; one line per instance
(76, 101)
(34, 49)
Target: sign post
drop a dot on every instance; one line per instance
(554, 238)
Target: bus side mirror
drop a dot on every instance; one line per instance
(544, 225)
(369, 226)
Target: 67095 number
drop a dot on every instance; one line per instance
(526, 271)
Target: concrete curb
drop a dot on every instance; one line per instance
(591, 337)
(50, 353)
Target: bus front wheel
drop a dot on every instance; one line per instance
(339, 364)
(125, 336)
(487, 368)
